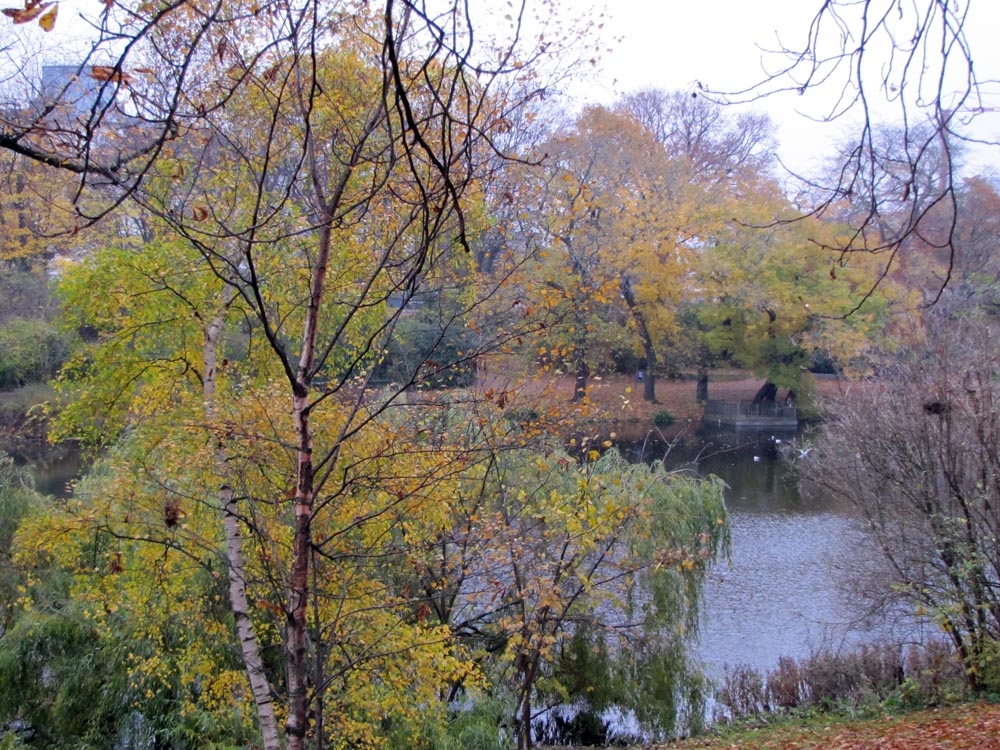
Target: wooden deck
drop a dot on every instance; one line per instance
(750, 415)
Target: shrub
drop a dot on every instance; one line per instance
(30, 351)
(742, 692)
(828, 681)
(663, 418)
(831, 679)
(784, 685)
(932, 675)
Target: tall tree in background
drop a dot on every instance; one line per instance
(977, 265)
(712, 142)
(37, 220)
(772, 300)
(886, 61)
(568, 195)
(719, 160)
(624, 217)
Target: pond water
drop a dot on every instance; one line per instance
(53, 470)
(785, 591)
(787, 587)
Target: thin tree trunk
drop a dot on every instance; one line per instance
(701, 392)
(297, 637)
(580, 384)
(524, 722)
(649, 379)
(260, 686)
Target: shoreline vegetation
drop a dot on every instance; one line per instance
(612, 399)
(964, 725)
(615, 401)
(617, 398)
(20, 420)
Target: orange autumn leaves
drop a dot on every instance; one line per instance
(974, 725)
(44, 12)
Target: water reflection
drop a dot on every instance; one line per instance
(786, 590)
(53, 469)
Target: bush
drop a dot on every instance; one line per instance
(784, 685)
(742, 692)
(831, 680)
(30, 352)
(932, 675)
(828, 681)
(663, 418)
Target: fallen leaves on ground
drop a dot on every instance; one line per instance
(973, 726)
(963, 727)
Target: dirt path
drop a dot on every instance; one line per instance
(619, 397)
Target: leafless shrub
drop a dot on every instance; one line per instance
(784, 684)
(916, 453)
(831, 678)
(742, 692)
(827, 680)
(933, 674)
(855, 678)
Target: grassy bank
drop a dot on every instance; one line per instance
(968, 726)
(19, 418)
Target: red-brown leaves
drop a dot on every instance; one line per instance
(974, 725)
(33, 9)
(108, 73)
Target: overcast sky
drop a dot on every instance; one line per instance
(672, 45)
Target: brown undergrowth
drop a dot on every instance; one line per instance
(618, 398)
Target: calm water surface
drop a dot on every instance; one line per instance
(786, 590)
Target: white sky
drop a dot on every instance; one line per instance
(671, 44)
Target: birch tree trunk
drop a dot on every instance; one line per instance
(260, 686)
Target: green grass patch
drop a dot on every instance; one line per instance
(21, 405)
(965, 725)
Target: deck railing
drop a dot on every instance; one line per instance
(749, 410)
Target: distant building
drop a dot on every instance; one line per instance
(72, 87)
